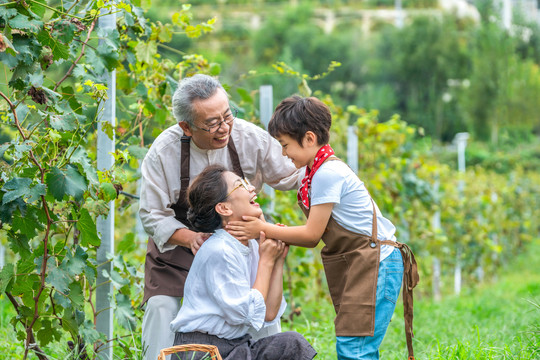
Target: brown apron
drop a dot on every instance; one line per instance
(351, 264)
(165, 272)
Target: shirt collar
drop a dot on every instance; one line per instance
(244, 250)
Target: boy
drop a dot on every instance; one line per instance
(364, 265)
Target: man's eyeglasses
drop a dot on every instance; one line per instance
(243, 182)
(227, 119)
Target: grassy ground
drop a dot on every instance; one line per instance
(494, 321)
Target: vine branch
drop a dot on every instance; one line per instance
(70, 70)
(30, 341)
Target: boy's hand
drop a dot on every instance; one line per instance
(250, 228)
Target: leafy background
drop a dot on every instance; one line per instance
(441, 73)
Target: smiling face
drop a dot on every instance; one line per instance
(210, 112)
(240, 201)
(300, 155)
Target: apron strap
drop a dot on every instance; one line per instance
(180, 207)
(410, 280)
(373, 222)
(184, 166)
(235, 159)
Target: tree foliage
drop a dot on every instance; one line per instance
(54, 60)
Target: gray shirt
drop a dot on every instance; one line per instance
(260, 158)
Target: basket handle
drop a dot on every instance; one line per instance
(211, 349)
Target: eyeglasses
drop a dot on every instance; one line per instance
(243, 182)
(227, 119)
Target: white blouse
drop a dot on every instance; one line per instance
(218, 298)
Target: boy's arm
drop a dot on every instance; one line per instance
(307, 235)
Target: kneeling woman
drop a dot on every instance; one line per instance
(233, 286)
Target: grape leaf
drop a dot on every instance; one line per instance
(46, 333)
(87, 227)
(16, 188)
(6, 276)
(124, 312)
(23, 22)
(80, 156)
(76, 263)
(37, 8)
(108, 191)
(36, 191)
(76, 295)
(68, 182)
(25, 265)
(28, 224)
(7, 13)
(64, 31)
(7, 210)
(59, 50)
(63, 123)
(57, 277)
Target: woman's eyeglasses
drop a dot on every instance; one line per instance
(227, 119)
(243, 182)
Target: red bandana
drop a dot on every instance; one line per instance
(303, 193)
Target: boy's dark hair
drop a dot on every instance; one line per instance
(207, 190)
(295, 116)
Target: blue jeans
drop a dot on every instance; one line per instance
(388, 286)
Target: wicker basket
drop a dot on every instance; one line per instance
(211, 349)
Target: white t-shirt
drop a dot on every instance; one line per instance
(334, 182)
(218, 295)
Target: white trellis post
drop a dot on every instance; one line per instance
(399, 14)
(352, 148)
(105, 225)
(461, 143)
(507, 14)
(266, 107)
(2, 256)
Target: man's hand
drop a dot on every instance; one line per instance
(250, 228)
(190, 239)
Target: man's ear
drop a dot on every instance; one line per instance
(223, 209)
(310, 139)
(185, 126)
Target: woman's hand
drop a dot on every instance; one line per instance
(272, 250)
(250, 228)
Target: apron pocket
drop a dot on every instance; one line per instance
(336, 270)
(355, 320)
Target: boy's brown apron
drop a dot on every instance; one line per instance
(165, 272)
(351, 265)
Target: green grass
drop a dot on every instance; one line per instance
(492, 321)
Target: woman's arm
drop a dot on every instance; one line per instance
(269, 252)
(307, 235)
(275, 293)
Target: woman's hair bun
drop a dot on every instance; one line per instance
(204, 221)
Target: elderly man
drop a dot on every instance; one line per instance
(207, 132)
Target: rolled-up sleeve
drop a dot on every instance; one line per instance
(154, 207)
(239, 303)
